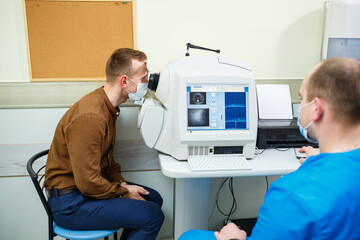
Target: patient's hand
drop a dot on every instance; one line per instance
(230, 231)
(310, 151)
(135, 192)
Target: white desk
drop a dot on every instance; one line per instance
(191, 190)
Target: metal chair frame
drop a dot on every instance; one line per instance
(40, 190)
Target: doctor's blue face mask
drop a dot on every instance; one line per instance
(304, 131)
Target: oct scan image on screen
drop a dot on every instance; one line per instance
(217, 107)
(198, 117)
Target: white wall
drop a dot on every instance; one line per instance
(280, 38)
(13, 53)
(32, 126)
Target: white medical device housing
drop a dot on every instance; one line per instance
(341, 37)
(207, 106)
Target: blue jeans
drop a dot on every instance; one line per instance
(140, 220)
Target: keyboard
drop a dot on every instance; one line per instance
(216, 163)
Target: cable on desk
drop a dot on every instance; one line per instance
(258, 153)
(295, 152)
(282, 150)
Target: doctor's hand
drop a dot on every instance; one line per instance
(135, 192)
(310, 151)
(230, 231)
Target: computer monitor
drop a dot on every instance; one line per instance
(207, 105)
(217, 107)
(344, 47)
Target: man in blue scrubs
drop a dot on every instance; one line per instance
(321, 200)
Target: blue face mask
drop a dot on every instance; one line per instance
(138, 96)
(304, 131)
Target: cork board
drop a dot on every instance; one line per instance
(72, 40)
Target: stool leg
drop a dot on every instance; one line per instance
(115, 236)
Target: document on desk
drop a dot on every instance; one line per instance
(274, 102)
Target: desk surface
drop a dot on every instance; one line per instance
(268, 163)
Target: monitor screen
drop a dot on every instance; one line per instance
(212, 107)
(344, 47)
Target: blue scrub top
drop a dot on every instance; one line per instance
(321, 200)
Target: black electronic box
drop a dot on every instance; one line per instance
(280, 134)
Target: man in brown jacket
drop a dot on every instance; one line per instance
(83, 182)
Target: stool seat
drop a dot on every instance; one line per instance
(195, 234)
(81, 234)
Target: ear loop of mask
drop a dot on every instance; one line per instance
(304, 131)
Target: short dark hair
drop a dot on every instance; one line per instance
(120, 62)
(337, 81)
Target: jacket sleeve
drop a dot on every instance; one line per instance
(113, 172)
(85, 139)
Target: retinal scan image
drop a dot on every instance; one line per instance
(198, 98)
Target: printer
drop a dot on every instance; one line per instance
(280, 135)
(277, 123)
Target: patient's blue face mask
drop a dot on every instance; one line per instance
(304, 131)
